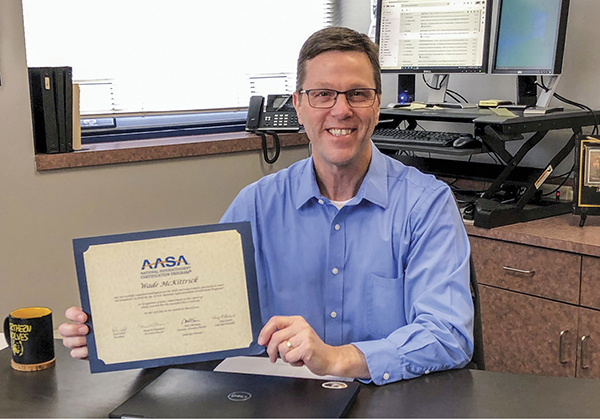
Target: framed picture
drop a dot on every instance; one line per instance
(586, 199)
(592, 165)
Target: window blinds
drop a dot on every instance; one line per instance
(143, 56)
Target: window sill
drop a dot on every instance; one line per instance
(162, 148)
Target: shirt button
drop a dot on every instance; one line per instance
(321, 201)
(427, 371)
(335, 271)
(386, 376)
(337, 227)
(333, 314)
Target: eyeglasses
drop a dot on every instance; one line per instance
(326, 98)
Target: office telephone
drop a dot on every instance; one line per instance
(278, 116)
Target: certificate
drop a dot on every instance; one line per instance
(168, 297)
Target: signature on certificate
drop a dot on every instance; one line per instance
(154, 328)
(119, 332)
(224, 320)
(191, 320)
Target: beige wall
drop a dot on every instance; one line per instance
(41, 212)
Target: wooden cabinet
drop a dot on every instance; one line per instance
(588, 344)
(590, 282)
(527, 269)
(540, 300)
(525, 334)
(531, 335)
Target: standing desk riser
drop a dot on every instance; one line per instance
(495, 132)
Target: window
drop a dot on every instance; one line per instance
(146, 56)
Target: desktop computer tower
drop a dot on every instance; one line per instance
(406, 88)
(526, 90)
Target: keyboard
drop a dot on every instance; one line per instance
(410, 137)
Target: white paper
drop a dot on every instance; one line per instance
(263, 366)
(2, 342)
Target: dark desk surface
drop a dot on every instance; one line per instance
(568, 118)
(481, 394)
(70, 390)
(67, 390)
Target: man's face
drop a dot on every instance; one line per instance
(340, 135)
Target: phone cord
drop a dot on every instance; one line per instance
(264, 146)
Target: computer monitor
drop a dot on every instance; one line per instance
(434, 36)
(530, 40)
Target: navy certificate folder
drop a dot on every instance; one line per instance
(180, 393)
(160, 292)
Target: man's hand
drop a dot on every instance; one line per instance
(74, 333)
(298, 344)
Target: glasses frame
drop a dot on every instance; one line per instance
(337, 93)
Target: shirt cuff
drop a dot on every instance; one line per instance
(387, 364)
(383, 360)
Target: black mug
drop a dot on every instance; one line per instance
(29, 333)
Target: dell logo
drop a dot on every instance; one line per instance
(335, 385)
(239, 396)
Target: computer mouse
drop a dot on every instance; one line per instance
(466, 142)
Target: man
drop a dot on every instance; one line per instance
(362, 262)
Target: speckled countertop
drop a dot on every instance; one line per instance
(560, 233)
(162, 148)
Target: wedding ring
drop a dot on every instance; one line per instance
(289, 345)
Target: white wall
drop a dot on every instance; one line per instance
(41, 212)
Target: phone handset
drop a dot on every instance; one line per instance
(254, 112)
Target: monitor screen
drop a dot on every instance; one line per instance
(530, 37)
(436, 36)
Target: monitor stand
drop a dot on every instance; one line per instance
(541, 106)
(437, 89)
(437, 94)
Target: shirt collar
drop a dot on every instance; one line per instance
(373, 189)
(375, 185)
(307, 188)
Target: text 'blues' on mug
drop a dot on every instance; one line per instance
(29, 333)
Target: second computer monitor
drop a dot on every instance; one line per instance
(530, 40)
(530, 37)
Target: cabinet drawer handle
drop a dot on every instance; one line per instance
(560, 347)
(520, 271)
(584, 365)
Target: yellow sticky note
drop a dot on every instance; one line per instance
(503, 112)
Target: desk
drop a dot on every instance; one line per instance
(495, 131)
(69, 390)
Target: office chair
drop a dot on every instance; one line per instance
(477, 362)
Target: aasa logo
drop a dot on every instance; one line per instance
(168, 262)
(239, 396)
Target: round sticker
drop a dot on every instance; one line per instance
(336, 385)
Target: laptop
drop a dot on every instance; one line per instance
(180, 393)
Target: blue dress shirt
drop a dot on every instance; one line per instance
(388, 272)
